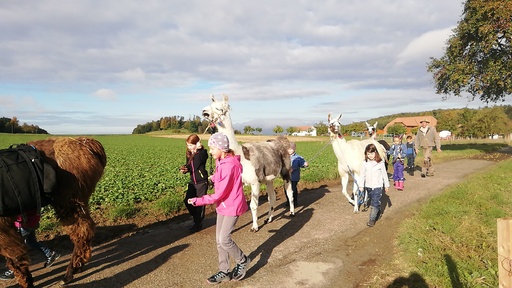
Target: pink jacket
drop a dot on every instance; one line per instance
(229, 192)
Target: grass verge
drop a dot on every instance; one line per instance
(452, 240)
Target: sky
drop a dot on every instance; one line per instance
(104, 67)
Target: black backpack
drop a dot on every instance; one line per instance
(26, 181)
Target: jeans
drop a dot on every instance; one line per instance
(30, 239)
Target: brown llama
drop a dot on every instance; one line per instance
(79, 163)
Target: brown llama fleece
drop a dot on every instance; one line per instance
(79, 163)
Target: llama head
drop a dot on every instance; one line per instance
(371, 129)
(334, 125)
(217, 111)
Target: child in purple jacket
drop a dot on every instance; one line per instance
(230, 199)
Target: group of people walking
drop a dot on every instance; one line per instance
(374, 177)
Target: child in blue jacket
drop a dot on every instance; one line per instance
(398, 152)
(297, 163)
(411, 155)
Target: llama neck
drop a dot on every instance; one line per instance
(226, 127)
(338, 145)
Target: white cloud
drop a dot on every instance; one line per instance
(106, 94)
(430, 44)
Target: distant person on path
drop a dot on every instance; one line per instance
(28, 233)
(373, 178)
(427, 138)
(411, 155)
(297, 163)
(398, 150)
(230, 199)
(198, 185)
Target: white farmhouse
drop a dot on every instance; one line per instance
(305, 131)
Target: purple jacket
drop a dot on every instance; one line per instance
(229, 192)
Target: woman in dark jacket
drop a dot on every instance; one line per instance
(198, 185)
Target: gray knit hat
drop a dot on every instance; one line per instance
(220, 141)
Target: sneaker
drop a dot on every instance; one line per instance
(370, 223)
(8, 275)
(50, 260)
(219, 278)
(240, 269)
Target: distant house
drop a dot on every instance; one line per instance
(411, 122)
(305, 131)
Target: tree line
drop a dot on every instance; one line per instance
(464, 122)
(12, 125)
(461, 122)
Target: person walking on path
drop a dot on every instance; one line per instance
(398, 150)
(28, 233)
(230, 199)
(297, 163)
(198, 185)
(427, 138)
(411, 155)
(373, 178)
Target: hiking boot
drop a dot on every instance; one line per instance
(50, 260)
(240, 269)
(8, 275)
(422, 175)
(370, 223)
(219, 278)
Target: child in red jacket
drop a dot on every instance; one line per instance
(230, 199)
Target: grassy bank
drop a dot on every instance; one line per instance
(452, 240)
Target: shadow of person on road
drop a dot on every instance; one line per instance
(295, 224)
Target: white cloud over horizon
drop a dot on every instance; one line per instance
(287, 62)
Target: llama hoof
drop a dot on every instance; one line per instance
(292, 214)
(253, 229)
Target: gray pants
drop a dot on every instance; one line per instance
(225, 245)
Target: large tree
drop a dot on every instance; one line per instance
(477, 58)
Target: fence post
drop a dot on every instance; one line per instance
(505, 252)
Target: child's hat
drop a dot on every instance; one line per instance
(219, 141)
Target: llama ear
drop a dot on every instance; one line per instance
(225, 97)
(367, 125)
(329, 117)
(213, 99)
(375, 125)
(339, 117)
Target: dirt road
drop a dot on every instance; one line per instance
(324, 245)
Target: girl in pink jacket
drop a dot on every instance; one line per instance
(230, 199)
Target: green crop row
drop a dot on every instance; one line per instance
(145, 169)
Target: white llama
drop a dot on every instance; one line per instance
(350, 157)
(262, 162)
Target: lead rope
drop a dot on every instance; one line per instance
(321, 150)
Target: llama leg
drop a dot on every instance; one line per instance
(271, 194)
(289, 193)
(81, 231)
(355, 192)
(255, 194)
(14, 250)
(21, 270)
(344, 183)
